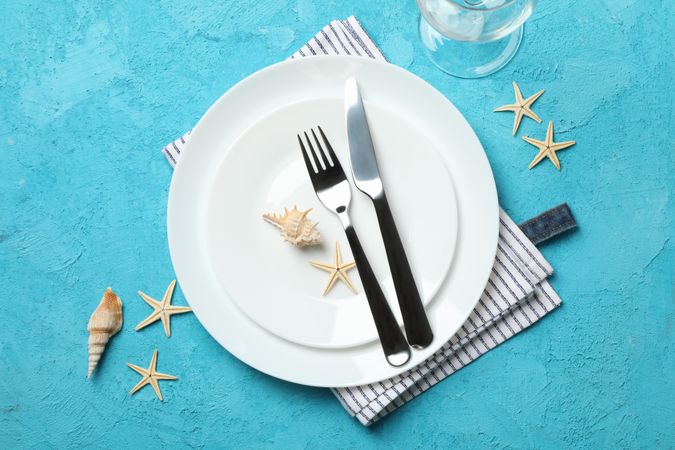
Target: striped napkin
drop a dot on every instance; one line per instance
(516, 296)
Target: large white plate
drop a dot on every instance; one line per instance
(228, 261)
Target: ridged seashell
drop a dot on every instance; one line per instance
(105, 321)
(295, 227)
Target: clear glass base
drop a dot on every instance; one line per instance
(468, 59)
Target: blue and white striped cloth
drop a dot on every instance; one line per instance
(516, 296)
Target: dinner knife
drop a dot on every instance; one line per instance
(367, 179)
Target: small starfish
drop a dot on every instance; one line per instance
(547, 148)
(521, 107)
(150, 376)
(337, 270)
(162, 309)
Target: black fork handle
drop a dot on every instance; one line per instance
(417, 327)
(393, 342)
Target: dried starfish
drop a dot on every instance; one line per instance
(337, 270)
(547, 148)
(162, 309)
(521, 107)
(150, 376)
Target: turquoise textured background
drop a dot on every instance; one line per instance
(91, 91)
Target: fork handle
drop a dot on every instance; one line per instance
(417, 327)
(394, 345)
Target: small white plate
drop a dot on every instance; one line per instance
(257, 295)
(272, 281)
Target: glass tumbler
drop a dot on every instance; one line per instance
(472, 38)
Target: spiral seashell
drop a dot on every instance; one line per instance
(105, 321)
(295, 227)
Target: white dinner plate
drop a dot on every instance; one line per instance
(258, 296)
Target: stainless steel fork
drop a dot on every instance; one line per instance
(332, 188)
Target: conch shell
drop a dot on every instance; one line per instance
(104, 322)
(295, 227)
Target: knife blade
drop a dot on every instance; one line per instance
(364, 165)
(367, 179)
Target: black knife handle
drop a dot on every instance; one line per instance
(393, 342)
(415, 319)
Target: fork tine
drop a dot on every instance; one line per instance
(331, 153)
(305, 155)
(317, 154)
(326, 157)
